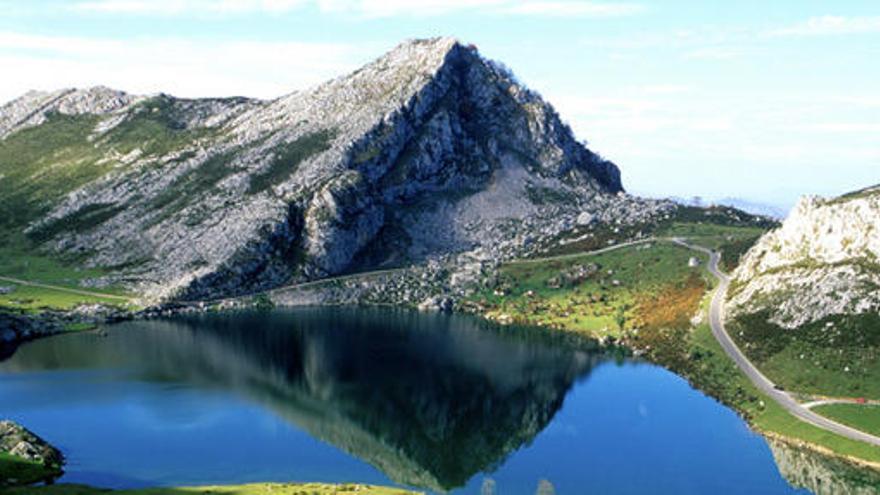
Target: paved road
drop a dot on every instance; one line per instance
(839, 400)
(612, 247)
(716, 321)
(65, 289)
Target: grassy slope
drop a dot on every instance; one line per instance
(732, 240)
(604, 303)
(715, 373)
(17, 262)
(836, 356)
(252, 489)
(863, 417)
(40, 165)
(28, 299)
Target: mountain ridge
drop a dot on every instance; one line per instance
(427, 151)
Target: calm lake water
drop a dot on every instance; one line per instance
(442, 403)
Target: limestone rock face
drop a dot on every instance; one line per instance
(428, 151)
(17, 441)
(823, 260)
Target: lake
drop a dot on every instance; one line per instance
(437, 402)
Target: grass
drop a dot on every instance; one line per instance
(836, 356)
(41, 164)
(82, 220)
(22, 471)
(716, 374)
(16, 261)
(19, 260)
(595, 294)
(251, 489)
(154, 127)
(650, 310)
(858, 194)
(862, 417)
(732, 240)
(29, 299)
(726, 229)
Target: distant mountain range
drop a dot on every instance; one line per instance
(752, 207)
(755, 207)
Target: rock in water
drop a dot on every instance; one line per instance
(428, 151)
(17, 441)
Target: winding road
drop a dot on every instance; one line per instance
(796, 409)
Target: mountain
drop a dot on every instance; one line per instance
(822, 261)
(804, 303)
(430, 150)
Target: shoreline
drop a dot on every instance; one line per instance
(49, 323)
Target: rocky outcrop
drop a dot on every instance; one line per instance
(35, 107)
(428, 151)
(824, 260)
(18, 442)
(15, 328)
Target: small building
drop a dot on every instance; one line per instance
(694, 262)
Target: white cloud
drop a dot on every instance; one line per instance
(185, 7)
(859, 100)
(574, 9)
(830, 25)
(396, 8)
(365, 8)
(666, 89)
(178, 66)
(846, 127)
(713, 53)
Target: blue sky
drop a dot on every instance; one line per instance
(753, 99)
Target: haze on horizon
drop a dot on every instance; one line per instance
(748, 100)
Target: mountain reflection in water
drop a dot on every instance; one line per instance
(427, 402)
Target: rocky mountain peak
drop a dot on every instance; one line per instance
(427, 152)
(32, 108)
